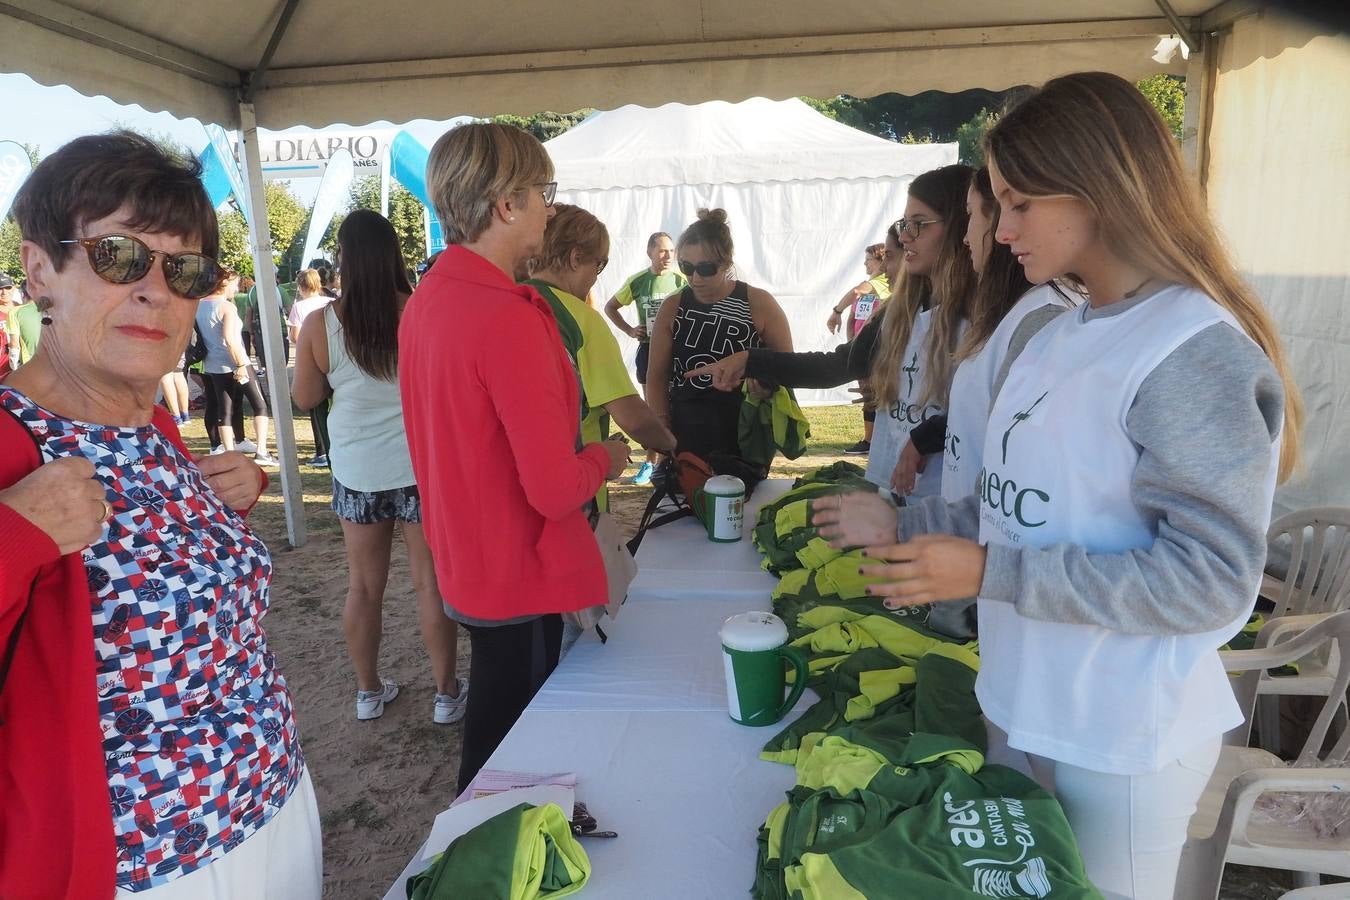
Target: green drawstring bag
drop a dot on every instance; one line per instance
(524, 853)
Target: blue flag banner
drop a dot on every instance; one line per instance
(408, 163)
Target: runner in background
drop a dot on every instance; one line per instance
(647, 290)
(861, 302)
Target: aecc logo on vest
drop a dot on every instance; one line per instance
(1003, 498)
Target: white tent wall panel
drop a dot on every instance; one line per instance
(802, 241)
(1279, 142)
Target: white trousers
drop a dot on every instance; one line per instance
(283, 860)
(1130, 828)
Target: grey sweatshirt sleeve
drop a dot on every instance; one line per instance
(933, 515)
(1204, 420)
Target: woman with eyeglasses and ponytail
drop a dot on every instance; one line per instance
(907, 353)
(1116, 537)
(148, 745)
(714, 317)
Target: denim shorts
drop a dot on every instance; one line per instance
(371, 507)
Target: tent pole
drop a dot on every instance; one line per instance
(1196, 115)
(269, 314)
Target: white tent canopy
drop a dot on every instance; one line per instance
(1265, 87)
(804, 195)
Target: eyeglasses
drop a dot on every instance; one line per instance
(913, 227)
(706, 269)
(600, 264)
(123, 259)
(550, 192)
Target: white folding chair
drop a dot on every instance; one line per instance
(1317, 582)
(1339, 891)
(1222, 829)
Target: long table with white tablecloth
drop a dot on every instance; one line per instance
(642, 721)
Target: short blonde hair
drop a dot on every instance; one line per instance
(572, 228)
(472, 166)
(308, 282)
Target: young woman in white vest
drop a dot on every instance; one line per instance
(906, 354)
(1117, 535)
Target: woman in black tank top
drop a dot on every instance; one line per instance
(712, 318)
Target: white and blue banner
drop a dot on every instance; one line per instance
(334, 192)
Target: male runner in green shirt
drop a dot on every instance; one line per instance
(647, 289)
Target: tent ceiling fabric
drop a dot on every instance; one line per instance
(345, 62)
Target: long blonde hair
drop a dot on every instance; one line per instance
(951, 286)
(1094, 137)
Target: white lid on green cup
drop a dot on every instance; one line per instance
(753, 631)
(724, 486)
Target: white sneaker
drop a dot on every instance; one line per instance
(217, 450)
(370, 704)
(246, 446)
(449, 710)
(264, 459)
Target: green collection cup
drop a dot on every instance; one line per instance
(720, 506)
(754, 650)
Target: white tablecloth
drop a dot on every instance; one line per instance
(678, 562)
(642, 721)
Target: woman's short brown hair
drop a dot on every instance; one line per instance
(472, 166)
(572, 228)
(93, 177)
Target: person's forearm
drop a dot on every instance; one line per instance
(930, 435)
(638, 420)
(933, 515)
(613, 314)
(845, 363)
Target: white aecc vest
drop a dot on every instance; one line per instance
(893, 425)
(972, 393)
(1058, 465)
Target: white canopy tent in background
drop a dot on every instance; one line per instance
(803, 194)
(1267, 88)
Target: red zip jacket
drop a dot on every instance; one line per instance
(491, 404)
(56, 821)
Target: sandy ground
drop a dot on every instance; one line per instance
(380, 783)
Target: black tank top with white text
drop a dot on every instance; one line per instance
(707, 332)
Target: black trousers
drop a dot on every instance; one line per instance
(509, 664)
(225, 403)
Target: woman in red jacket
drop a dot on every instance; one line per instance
(148, 743)
(491, 402)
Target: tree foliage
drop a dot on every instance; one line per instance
(1167, 93)
(544, 125)
(405, 214)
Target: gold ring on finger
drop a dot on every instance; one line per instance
(107, 509)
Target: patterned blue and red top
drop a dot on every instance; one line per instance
(199, 736)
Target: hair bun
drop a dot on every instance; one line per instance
(713, 215)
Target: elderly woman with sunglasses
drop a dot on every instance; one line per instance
(148, 744)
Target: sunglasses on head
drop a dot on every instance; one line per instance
(123, 259)
(705, 269)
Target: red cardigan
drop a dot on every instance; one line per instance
(491, 405)
(56, 821)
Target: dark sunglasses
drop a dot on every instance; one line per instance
(550, 192)
(706, 269)
(123, 259)
(600, 264)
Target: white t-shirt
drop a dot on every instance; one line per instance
(1058, 468)
(893, 425)
(301, 309)
(972, 394)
